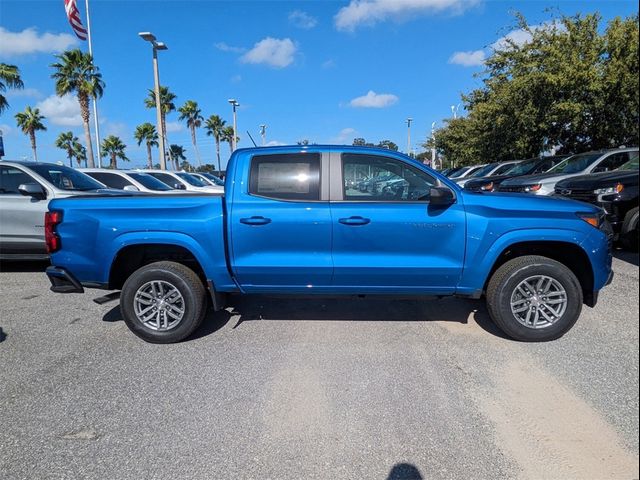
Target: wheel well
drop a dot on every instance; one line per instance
(569, 254)
(131, 258)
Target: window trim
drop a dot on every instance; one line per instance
(322, 178)
(338, 179)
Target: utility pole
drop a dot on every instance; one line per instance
(433, 144)
(234, 104)
(409, 120)
(263, 134)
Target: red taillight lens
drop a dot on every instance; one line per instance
(51, 238)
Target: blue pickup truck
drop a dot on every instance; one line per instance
(292, 220)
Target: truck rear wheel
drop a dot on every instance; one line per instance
(534, 298)
(163, 302)
(629, 233)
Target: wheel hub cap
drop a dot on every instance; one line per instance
(538, 301)
(159, 305)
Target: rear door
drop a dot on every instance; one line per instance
(21, 217)
(390, 239)
(280, 223)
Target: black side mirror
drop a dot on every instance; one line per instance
(441, 196)
(34, 190)
(179, 186)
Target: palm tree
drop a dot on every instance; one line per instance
(177, 153)
(214, 126)
(227, 136)
(80, 153)
(68, 142)
(147, 133)
(9, 78)
(114, 147)
(191, 114)
(166, 105)
(30, 121)
(76, 73)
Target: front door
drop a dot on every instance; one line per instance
(280, 225)
(387, 238)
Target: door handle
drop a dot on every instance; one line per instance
(255, 221)
(354, 221)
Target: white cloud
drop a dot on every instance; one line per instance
(303, 20)
(374, 100)
(278, 53)
(173, 127)
(24, 92)
(236, 79)
(468, 59)
(345, 136)
(224, 47)
(370, 12)
(63, 110)
(30, 41)
(519, 37)
(329, 63)
(6, 129)
(275, 143)
(118, 129)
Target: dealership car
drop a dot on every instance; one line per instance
(581, 164)
(130, 180)
(495, 168)
(616, 192)
(210, 178)
(25, 191)
(522, 167)
(465, 171)
(183, 181)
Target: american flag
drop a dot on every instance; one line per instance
(74, 19)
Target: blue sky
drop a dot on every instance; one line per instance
(326, 71)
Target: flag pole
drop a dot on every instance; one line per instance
(96, 123)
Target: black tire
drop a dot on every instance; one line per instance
(506, 279)
(181, 278)
(629, 232)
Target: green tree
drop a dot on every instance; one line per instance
(167, 105)
(227, 136)
(388, 144)
(177, 153)
(115, 149)
(30, 122)
(146, 133)
(192, 116)
(76, 74)
(214, 126)
(80, 153)
(9, 78)
(68, 142)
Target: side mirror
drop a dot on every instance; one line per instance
(441, 196)
(34, 190)
(179, 186)
(131, 188)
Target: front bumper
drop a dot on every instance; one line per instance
(63, 281)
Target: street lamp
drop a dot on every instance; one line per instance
(433, 145)
(151, 38)
(234, 103)
(263, 134)
(409, 120)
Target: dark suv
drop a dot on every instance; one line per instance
(616, 192)
(525, 167)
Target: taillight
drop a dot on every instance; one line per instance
(51, 238)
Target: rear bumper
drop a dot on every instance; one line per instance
(63, 281)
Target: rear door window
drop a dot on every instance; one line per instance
(612, 162)
(294, 176)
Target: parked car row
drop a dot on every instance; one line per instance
(608, 179)
(26, 188)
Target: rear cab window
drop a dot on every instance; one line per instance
(290, 176)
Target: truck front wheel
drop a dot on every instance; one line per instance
(534, 298)
(163, 302)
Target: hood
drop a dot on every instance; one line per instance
(539, 206)
(538, 178)
(476, 182)
(600, 180)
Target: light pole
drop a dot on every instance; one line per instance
(409, 120)
(1, 146)
(433, 145)
(263, 134)
(151, 38)
(454, 110)
(234, 103)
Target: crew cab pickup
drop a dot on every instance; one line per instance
(292, 220)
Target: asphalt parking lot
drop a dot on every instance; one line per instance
(315, 388)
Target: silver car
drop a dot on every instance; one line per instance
(581, 164)
(183, 180)
(130, 180)
(25, 192)
(491, 169)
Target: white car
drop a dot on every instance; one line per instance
(183, 181)
(496, 168)
(130, 180)
(209, 179)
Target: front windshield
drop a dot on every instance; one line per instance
(150, 182)
(459, 172)
(522, 168)
(576, 163)
(191, 180)
(213, 178)
(66, 178)
(484, 171)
